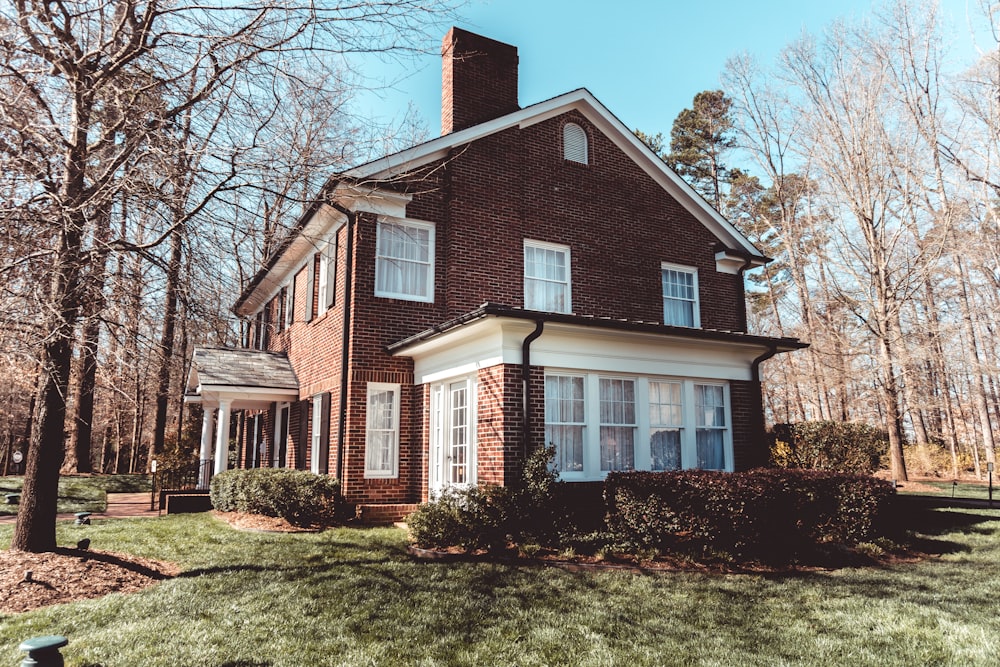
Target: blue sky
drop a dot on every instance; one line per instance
(644, 59)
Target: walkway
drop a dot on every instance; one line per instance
(120, 506)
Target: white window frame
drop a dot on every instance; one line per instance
(576, 144)
(381, 473)
(567, 283)
(553, 420)
(426, 295)
(643, 425)
(315, 436)
(327, 256)
(290, 302)
(695, 302)
(442, 432)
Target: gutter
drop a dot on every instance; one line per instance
(755, 364)
(526, 383)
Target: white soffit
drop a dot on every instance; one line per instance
(495, 340)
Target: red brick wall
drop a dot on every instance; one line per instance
(485, 199)
(479, 80)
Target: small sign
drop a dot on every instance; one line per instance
(152, 466)
(989, 467)
(17, 456)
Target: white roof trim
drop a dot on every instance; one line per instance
(584, 102)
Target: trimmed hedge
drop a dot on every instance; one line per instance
(760, 515)
(300, 497)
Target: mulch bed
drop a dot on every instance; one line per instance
(32, 580)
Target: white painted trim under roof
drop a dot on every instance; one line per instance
(317, 229)
(495, 339)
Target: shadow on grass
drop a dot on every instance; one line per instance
(114, 560)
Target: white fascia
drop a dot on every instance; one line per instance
(241, 398)
(495, 340)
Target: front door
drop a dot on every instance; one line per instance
(453, 456)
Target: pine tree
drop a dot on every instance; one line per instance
(699, 140)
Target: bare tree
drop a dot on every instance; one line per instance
(81, 76)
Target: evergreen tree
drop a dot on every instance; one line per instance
(699, 140)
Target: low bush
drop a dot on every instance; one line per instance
(300, 497)
(772, 516)
(536, 511)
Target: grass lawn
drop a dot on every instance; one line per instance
(83, 493)
(976, 490)
(354, 597)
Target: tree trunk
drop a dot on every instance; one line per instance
(167, 342)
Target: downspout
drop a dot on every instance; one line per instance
(755, 378)
(526, 383)
(345, 336)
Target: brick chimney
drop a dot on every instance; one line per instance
(478, 80)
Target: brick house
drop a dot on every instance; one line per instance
(533, 275)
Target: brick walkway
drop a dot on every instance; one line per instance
(120, 506)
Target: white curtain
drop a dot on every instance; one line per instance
(564, 417)
(710, 411)
(678, 298)
(617, 424)
(403, 265)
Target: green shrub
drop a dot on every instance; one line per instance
(473, 518)
(300, 497)
(763, 515)
(492, 517)
(828, 445)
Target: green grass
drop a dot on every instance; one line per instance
(353, 597)
(80, 493)
(974, 490)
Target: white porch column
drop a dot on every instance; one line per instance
(222, 437)
(205, 456)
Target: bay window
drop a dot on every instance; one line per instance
(600, 423)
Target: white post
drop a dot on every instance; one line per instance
(205, 457)
(222, 438)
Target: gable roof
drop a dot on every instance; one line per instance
(238, 367)
(367, 176)
(582, 101)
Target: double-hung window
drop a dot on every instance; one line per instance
(710, 418)
(564, 420)
(680, 296)
(617, 424)
(666, 423)
(382, 434)
(327, 276)
(404, 260)
(546, 277)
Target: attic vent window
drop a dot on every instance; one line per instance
(575, 143)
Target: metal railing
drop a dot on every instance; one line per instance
(184, 478)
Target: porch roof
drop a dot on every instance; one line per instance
(247, 379)
(488, 309)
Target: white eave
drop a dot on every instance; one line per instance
(308, 239)
(493, 340)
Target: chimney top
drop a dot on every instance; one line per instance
(479, 80)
